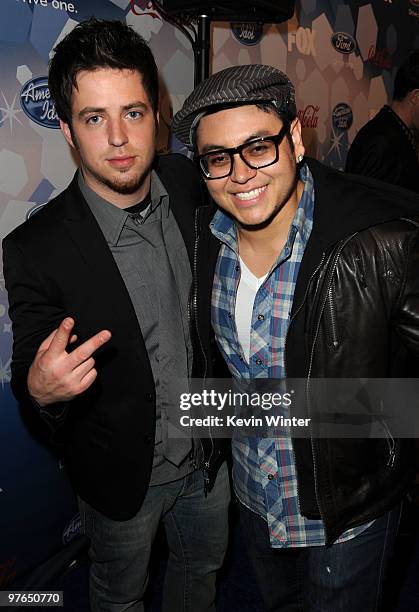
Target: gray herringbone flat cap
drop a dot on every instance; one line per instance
(238, 84)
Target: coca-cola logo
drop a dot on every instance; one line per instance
(144, 7)
(380, 58)
(342, 116)
(308, 116)
(247, 33)
(37, 104)
(343, 42)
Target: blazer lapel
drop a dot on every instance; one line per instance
(101, 269)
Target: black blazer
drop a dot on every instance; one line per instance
(382, 150)
(58, 264)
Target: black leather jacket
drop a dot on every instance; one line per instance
(355, 314)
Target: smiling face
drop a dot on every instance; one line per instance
(253, 197)
(114, 132)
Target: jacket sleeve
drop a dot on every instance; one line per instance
(406, 319)
(35, 313)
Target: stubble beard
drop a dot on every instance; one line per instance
(119, 184)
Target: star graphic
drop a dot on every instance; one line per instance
(336, 143)
(2, 287)
(9, 112)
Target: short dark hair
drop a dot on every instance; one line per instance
(407, 77)
(99, 43)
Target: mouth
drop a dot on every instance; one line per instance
(253, 194)
(121, 162)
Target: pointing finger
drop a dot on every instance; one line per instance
(84, 351)
(61, 338)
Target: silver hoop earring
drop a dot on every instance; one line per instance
(300, 158)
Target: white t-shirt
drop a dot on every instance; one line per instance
(246, 293)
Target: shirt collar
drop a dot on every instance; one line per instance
(224, 227)
(112, 219)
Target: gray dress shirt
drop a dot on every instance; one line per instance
(153, 262)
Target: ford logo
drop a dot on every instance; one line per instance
(37, 103)
(247, 33)
(342, 42)
(342, 116)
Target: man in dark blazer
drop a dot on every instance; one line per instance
(386, 147)
(98, 285)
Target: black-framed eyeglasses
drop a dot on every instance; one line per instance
(258, 153)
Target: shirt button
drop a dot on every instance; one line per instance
(229, 315)
(241, 358)
(237, 268)
(258, 362)
(261, 317)
(271, 476)
(148, 397)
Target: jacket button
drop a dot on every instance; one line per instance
(261, 317)
(148, 397)
(148, 439)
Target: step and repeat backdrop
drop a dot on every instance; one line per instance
(341, 56)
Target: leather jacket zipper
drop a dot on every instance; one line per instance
(333, 325)
(330, 273)
(391, 443)
(285, 354)
(206, 462)
(194, 294)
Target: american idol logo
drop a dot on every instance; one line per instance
(342, 42)
(72, 529)
(37, 103)
(247, 33)
(342, 116)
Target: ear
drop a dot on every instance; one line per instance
(414, 97)
(65, 128)
(297, 138)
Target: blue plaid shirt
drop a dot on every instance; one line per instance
(265, 479)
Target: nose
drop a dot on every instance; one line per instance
(117, 135)
(241, 172)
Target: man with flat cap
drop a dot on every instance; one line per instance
(304, 272)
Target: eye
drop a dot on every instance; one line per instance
(219, 158)
(94, 120)
(134, 114)
(259, 148)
